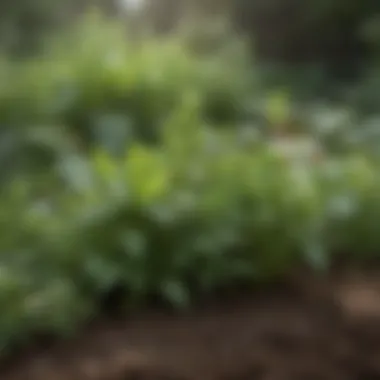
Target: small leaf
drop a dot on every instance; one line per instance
(278, 108)
(316, 256)
(176, 293)
(77, 173)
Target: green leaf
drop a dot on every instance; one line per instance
(176, 293)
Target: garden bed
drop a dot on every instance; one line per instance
(299, 330)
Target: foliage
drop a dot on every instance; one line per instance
(24, 23)
(212, 201)
(200, 210)
(96, 79)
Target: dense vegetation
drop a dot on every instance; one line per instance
(161, 169)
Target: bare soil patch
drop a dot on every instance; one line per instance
(308, 330)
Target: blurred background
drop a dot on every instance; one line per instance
(144, 141)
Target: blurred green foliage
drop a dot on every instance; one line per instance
(24, 23)
(154, 166)
(95, 79)
(202, 209)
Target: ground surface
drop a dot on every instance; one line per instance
(313, 330)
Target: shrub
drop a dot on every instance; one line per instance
(196, 212)
(204, 207)
(101, 83)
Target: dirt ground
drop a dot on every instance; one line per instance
(304, 330)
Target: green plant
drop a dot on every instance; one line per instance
(105, 87)
(204, 206)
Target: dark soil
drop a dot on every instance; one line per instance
(310, 330)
